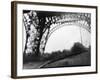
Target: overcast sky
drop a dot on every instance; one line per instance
(65, 37)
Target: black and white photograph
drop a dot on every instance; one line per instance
(56, 39)
(53, 39)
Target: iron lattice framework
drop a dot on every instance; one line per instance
(39, 25)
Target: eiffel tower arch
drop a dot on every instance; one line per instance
(39, 26)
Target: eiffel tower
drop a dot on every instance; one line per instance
(39, 25)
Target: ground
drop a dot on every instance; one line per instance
(82, 59)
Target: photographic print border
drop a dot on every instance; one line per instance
(14, 37)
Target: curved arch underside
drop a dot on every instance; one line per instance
(79, 23)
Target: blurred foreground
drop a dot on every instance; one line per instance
(77, 56)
